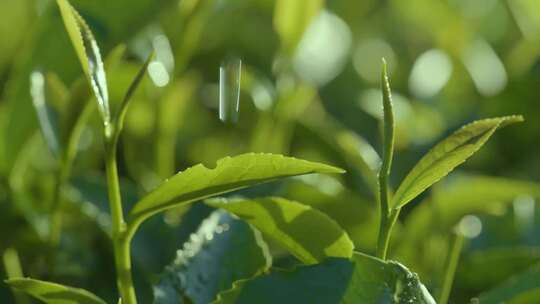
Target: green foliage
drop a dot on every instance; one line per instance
(291, 225)
(362, 279)
(89, 55)
(230, 173)
(309, 89)
(52, 293)
(222, 251)
(447, 155)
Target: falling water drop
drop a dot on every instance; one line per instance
(229, 89)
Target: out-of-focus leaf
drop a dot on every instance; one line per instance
(362, 279)
(466, 194)
(89, 55)
(354, 150)
(291, 19)
(292, 224)
(447, 155)
(52, 293)
(47, 121)
(230, 173)
(121, 114)
(222, 251)
(520, 289)
(476, 270)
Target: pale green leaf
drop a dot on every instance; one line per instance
(230, 173)
(447, 155)
(88, 53)
(223, 250)
(291, 19)
(52, 293)
(362, 279)
(292, 225)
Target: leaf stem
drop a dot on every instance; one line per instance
(456, 245)
(121, 241)
(388, 218)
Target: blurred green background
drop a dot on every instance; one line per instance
(310, 89)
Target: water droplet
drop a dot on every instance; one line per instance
(229, 89)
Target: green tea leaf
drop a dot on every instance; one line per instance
(292, 18)
(230, 173)
(520, 289)
(362, 279)
(52, 293)
(222, 251)
(292, 224)
(89, 55)
(447, 155)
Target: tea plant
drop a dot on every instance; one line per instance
(227, 260)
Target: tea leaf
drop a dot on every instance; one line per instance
(447, 155)
(292, 18)
(362, 279)
(88, 52)
(292, 224)
(52, 293)
(223, 250)
(230, 173)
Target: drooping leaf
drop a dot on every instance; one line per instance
(291, 19)
(89, 55)
(222, 251)
(362, 279)
(52, 293)
(292, 225)
(523, 288)
(230, 173)
(447, 155)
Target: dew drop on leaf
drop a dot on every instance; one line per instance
(229, 89)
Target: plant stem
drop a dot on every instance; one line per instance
(456, 245)
(385, 231)
(121, 241)
(388, 218)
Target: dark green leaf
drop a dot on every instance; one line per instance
(447, 155)
(52, 293)
(89, 55)
(291, 224)
(222, 251)
(230, 173)
(362, 279)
